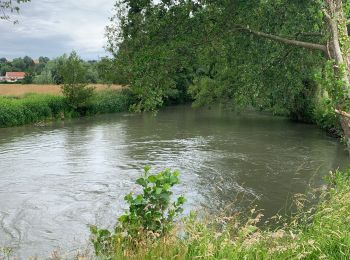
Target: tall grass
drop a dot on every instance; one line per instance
(34, 108)
(319, 233)
(30, 109)
(110, 101)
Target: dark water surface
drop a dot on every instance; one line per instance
(57, 179)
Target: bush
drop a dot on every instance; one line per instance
(77, 93)
(151, 214)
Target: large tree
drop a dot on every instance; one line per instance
(260, 53)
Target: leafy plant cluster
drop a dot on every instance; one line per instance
(77, 93)
(150, 216)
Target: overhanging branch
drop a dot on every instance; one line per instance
(306, 45)
(342, 113)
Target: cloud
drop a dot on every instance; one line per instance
(53, 27)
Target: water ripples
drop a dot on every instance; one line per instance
(56, 180)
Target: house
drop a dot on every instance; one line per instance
(13, 76)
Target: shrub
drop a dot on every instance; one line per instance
(75, 89)
(151, 214)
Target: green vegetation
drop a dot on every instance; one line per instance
(76, 92)
(30, 109)
(78, 99)
(25, 64)
(317, 233)
(35, 108)
(46, 71)
(110, 101)
(151, 215)
(286, 57)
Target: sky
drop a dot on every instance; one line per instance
(53, 27)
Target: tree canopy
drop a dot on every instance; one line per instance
(208, 47)
(284, 56)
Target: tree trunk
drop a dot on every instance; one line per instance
(338, 27)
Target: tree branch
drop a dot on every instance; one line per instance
(306, 45)
(342, 113)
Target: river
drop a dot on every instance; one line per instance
(57, 179)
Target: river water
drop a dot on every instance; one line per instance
(57, 179)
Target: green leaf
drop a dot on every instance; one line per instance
(139, 200)
(141, 182)
(152, 179)
(147, 168)
(128, 198)
(181, 200)
(123, 218)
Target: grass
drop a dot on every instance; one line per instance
(20, 90)
(110, 101)
(33, 108)
(319, 233)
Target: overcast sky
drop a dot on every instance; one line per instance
(53, 27)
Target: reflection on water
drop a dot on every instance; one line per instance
(55, 180)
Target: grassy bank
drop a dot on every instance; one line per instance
(32, 108)
(319, 233)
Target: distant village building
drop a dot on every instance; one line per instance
(13, 77)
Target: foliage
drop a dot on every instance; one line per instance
(151, 211)
(28, 78)
(151, 214)
(10, 6)
(50, 73)
(110, 101)
(154, 56)
(170, 47)
(317, 233)
(34, 108)
(25, 64)
(77, 93)
(107, 72)
(46, 71)
(326, 118)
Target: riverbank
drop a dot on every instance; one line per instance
(34, 108)
(322, 232)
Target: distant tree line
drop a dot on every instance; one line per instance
(47, 71)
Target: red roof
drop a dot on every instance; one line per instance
(15, 74)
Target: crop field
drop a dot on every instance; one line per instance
(20, 89)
